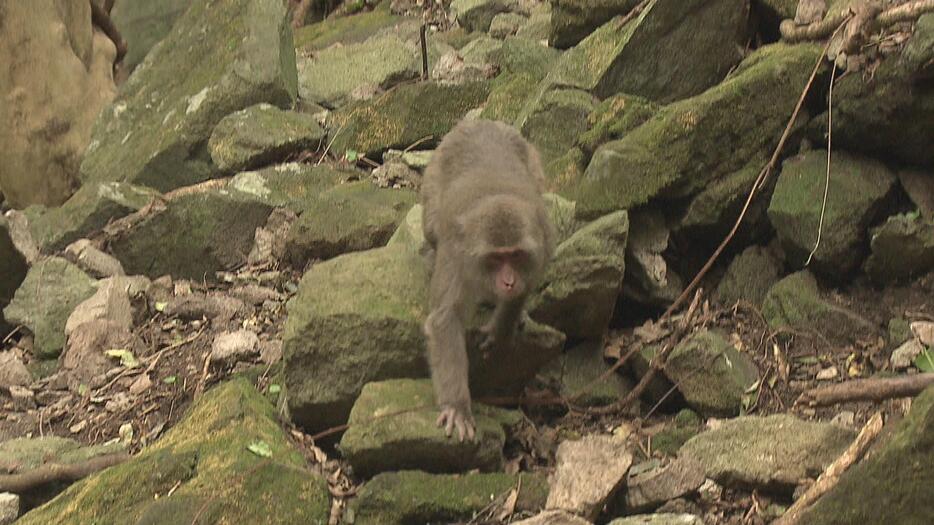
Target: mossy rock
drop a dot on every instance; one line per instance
(613, 118)
(345, 29)
(554, 121)
(704, 138)
(573, 20)
(522, 56)
(143, 23)
(52, 289)
(749, 277)
(508, 97)
(393, 427)
(217, 59)
(227, 461)
(477, 15)
(902, 248)
(402, 116)
(418, 497)
(13, 270)
(293, 185)
(261, 134)
(575, 371)
(712, 213)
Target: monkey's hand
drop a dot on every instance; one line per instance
(452, 417)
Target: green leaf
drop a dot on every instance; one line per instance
(126, 357)
(351, 155)
(160, 306)
(170, 380)
(274, 389)
(925, 360)
(260, 448)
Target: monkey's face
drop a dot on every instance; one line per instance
(507, 269)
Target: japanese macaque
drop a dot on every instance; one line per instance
(488, 238)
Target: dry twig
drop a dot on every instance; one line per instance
(872, 389)
(50, 472)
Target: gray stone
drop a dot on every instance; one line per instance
(553, 517)
(13, 270)
(648, 279)
(902, 248)
(412, 440)
(9, 508)
(261, 134)
(230, 347)
(52, 289)
(477, 15)
(588, 473)
(193, 236)
(110, 302)
(773, 453)
(12, 369)
(661, 518)
(575, 371)
(217, 59)
(84, 360)
(143, 23)
(891, 485)
(796, 302)
(328, 76)
(554, 121)
(574, 20)
(919, 186)
(858, 189)
(92, 260)
(749, 277)
(650, 488)
(710, 373)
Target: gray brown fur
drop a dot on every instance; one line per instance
(481, 191)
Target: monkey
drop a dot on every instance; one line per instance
(488, 239)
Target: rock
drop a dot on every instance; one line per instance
(583, 281)
(713, 211)
(902, 249)
(228, 454)
(419, 497)
(52, 289)
(369, 307)
(662, 518)
(329, 76)
(589, 471)
(858, 189)
(771, 453)
(711, 374)
(270, 352)
(573, 20)
(195, 306)
(522, 56)
(887, 117)
(451, 69)
(412, 439)
(507, 98)
(648, 278)
(920, 189)
(193, 236)
(575, 370)
(506, 24)
(261, 134)
(49, 109)
(649, 488)
(9, 508)
(737, 121)
(230, 347)
(143, 23)
(110, 302)
(685, 425)
(16, 224)
(905, 354)
(23, 398)
(97, 263)
(13, 270)
(255, 294)
(87, 211)
(538, 25)
(554, 121)
(613, 118)
(84, 360)
(553, 517)
(351, 217)
(893, 483)
(749, 277)
(396, 174)
(293, 185)
(12, 370)
(403, 116)
(780, 8)
(346, 29)
(477, 15)
(795, 302)
(216, 59)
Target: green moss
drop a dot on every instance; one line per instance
(410, 497)
(508, 97)
(205, 463)
(345, 29)
(613, 118)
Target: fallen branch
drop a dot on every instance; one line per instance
(831, 475)
(49, 472)
(872, 389)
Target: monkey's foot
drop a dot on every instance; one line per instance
(451, 418)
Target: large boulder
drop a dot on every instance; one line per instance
(902, 248)
(12, 270)
(749, 277)
(53, 89)
(217, 59)
(346, 29)
(704, 138)
(893, 484)
(227, 461)
(858, 189)
(573, 20)
(410, 113)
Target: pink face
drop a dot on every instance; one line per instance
(505, 264)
